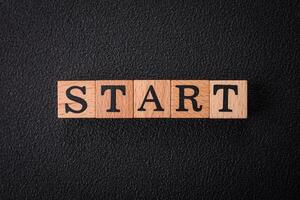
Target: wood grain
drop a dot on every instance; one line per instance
(162, 90)
(63, 100)
(124, 103)
(236, 102)
(202, 99)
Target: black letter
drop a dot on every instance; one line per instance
(225, 95)
(182, 97)
(155, 100)
(113, 95)
(76, 99)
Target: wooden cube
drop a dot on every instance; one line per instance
(190, 99)
(228, 99)
(76, 99)
(114, 99)
(152, 98)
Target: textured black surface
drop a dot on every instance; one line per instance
(43, 157)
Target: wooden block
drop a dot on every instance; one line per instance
(152, 98)
(228, 99)
(190, 99)
(114, 99)
(76, 99)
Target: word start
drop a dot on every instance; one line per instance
(152, 99)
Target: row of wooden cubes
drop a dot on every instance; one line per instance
(152, 99)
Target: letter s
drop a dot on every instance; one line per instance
(76, 99)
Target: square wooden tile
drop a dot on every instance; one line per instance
(194, 101)
(76, 99)
(231, 105)
(114, 99)
(149, 89)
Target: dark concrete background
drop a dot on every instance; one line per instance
(43, 157)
